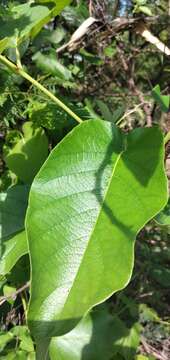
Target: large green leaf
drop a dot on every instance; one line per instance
(91, 197)
(27, 155)
(13, 242)
(26, 20)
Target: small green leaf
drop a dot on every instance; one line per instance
(3, 44)
(78, 226)
(107, 115)
(145, 10)
(148, 314)
(28, 154)
(110, 50)
(13, 245)
(163, 218)
(57, 35)
(162, 100)
(13, 204)
(5, 338)
(22, 333)
(9, 292)
(13, 249)
(24, 345)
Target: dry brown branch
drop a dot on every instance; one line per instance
(142, 29)
(150, 350)
(78, 34)
(3, 299)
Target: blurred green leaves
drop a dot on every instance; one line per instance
(49, 64)
(27, 20)
(19, 338)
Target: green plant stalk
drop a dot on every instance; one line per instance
(21, 72)
(167, 138)
(18, 58)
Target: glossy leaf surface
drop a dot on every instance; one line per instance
(94, 193)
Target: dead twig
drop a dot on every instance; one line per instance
(151, 351)
(3, 299)
(128, 113)
(144, 31)
(78, 34)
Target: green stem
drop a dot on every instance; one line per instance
(26, 76)
(167, 138)
(18, 58)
